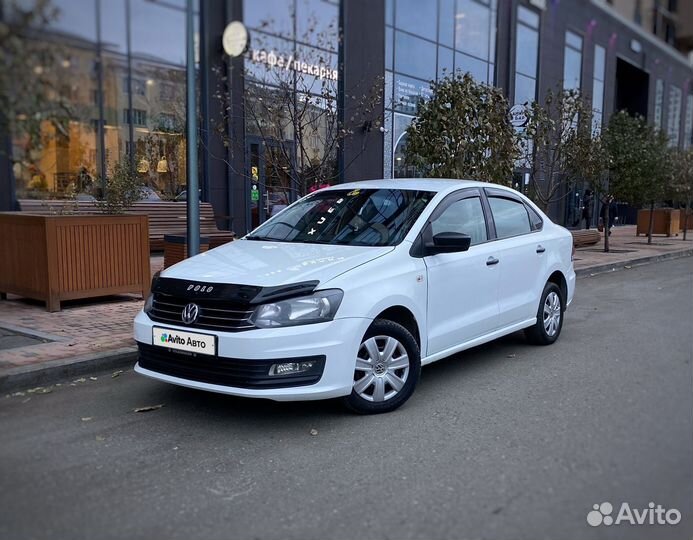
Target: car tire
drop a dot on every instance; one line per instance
(383, 378)
(549, 317)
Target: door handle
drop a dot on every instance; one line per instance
(491, 261)
(541, 249)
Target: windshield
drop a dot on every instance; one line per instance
(358, 217)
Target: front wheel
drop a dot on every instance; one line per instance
(549, 317)
(388, 366)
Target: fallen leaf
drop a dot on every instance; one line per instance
(19, 394)
(86, 418)
(100, 438)
(116, 374)
(149, 408)
(81, 379)
(93, 379)
(313, 432)
(627, 266)
(511, 356)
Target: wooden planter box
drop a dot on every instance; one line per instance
(666, 221)
(64, 257)
(682, 219)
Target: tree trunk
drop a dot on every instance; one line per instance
(651, 224)
(606, 227)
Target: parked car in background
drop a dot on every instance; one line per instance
(148, 194)
(183, 195)
(350, 290)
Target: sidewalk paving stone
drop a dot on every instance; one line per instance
(99, 332)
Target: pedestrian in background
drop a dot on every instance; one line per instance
(587, 208)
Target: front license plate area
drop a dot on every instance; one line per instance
(179, 340)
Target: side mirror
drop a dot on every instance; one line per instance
(448, 242)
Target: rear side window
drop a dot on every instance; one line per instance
(510, 217)
(535, 219)
(465, 216)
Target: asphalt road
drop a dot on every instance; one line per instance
(504, 441)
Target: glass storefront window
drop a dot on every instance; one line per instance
(599, 74)
(446, 23)
(475, 67)
(142, 111)
(415, 56)
(472, 28)
(525, 89)
(572, 66)
(446, 60)
(409, 92)
(276, 16)
(290, 99)
(525, 84)
(410, 17)
(475, 38)
(674, 115)
(688, 127)
(527, 50)
(317, 23)
(659, 103)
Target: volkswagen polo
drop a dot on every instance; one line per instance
(350, 290)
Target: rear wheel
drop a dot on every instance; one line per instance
(388, 366)
(549, 317)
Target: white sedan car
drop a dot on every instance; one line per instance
(350, 290)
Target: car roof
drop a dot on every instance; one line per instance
(418, 184)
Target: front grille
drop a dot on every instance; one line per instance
(226, 371)
(214, 314)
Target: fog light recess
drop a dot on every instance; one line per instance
(291, 368)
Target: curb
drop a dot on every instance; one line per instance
(56, 370)
(621, 265)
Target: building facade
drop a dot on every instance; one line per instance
(327, 88)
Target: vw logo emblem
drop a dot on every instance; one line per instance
(190, 313)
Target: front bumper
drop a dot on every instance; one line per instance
(244, 358)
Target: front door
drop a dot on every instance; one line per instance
(270, 173)
(462, 287)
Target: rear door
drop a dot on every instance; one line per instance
(521, 254)
(462, 287)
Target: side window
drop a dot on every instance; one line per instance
(510, 217)
(535, 219)
(465, 216)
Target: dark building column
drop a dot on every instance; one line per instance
(505, 44)
(212, 151)
(363, 55)
(8, 199)
(239, 187)
(222, 164)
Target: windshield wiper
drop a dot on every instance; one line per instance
(265, 238)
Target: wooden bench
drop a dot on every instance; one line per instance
(165, 217)
(586, 237)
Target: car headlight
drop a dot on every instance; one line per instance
(319, 307)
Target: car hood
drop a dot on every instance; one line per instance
(267, 264)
